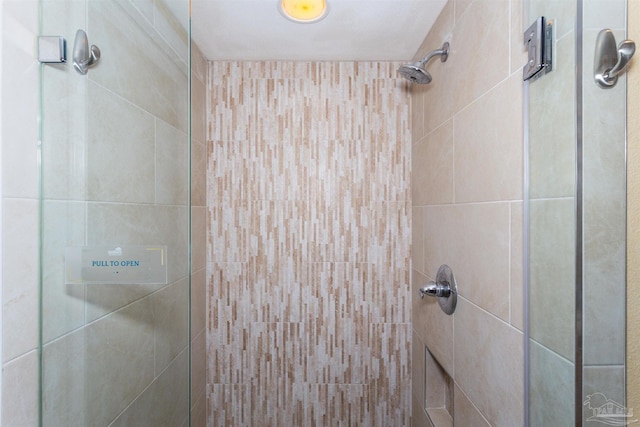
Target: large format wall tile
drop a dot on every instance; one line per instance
(64, 368)
(119, 161)
(518, 49)
(480, 48)
(474, 240)
(198, 174)
(198, 106)
(173, 28)
(516, 316)
(418, 217)
(96, 352)
(198, 130)
(129, 224)
(19, 99)
(465, 413)
(488, 146)
(555, 376)
(419, 415)
(553, 153)
(170, 309)
(171, 165)
(20, 391)
(63, 305)
(467, 207)
(198, 302)
(198, 238)
(432, 163)
(146, 72)
(418, 357)
(489, 364)
(198, 413)
(65, 132)
(128, 335)
(432, 325)
(165, 402)
(19, 277)
(600, 384)
(198, 368)
(552, 274)
(437, 102)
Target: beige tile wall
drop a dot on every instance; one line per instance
(309, 216)
(467, 157)
(198, 238)
(149, 323)
(19, 213)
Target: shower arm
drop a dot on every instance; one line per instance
(444, 54)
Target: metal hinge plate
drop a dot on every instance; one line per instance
(538, 40)
(52, 49)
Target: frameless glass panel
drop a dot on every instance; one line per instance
(115, 217)
(552, 225)
(576, 227)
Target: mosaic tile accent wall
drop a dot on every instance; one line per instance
(308, 245)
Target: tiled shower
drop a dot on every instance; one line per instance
(308, 226)
(467, 169)
(324, 194)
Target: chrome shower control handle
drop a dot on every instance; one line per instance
(444, 289)
(433, 289)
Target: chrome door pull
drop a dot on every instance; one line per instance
(610, 60)
(83, 55)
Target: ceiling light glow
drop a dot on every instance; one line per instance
(305, 11)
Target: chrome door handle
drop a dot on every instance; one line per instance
(84, 56)
(610, 60)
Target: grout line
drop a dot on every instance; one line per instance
(491, 314)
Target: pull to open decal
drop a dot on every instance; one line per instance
(102, 265)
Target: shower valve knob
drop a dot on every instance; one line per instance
(433, 289)
(444, 288)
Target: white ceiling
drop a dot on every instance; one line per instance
(353, 30)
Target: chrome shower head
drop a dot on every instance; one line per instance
(417, 73)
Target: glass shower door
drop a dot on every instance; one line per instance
(115, 217)
(576, 223)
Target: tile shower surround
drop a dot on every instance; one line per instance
(281, 201)
(467, 212)
(309, 233)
